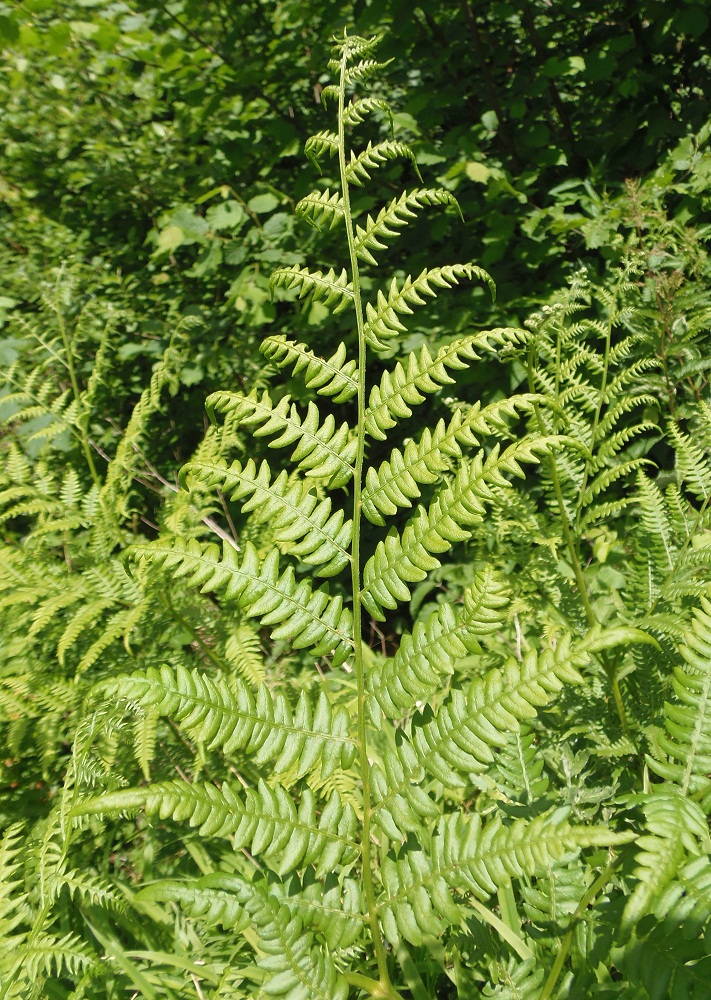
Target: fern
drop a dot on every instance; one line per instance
(363, 821)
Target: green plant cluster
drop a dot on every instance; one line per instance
(393, 679)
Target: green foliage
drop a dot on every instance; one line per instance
(431, 719)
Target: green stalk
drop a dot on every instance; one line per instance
(359, 666)
(597, 886)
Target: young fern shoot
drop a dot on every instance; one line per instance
(339, 888)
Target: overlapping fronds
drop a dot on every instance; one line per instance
(292, 609)
(348, 791)
(683, 751)
(430, 653)
(675, 828)
(303, 523)
(294, 965)
(396, 482)
(463, 736)
(382, 319)
(336, 377)
(470, 856)
(687, 900)
(404, 387)
(227, 714)
(407, 558)
(323, 450)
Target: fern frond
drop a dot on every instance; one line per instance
(691, 462)
(265, 819)
(355, 113)
(322, 144)
(519, 771)
(336, 377)
(396, 483)
(321, 207)
(608, 476)
(334, 909)
(675, 827)
(364, 70)
(686, 744)
(374, 156)
(431, 652)
(407, 558)
(471, 857)
(50, 955)
(382, 319)
(687, 900)
(243, 652)
(328, 287)
(229, 716)
(292, 610)
(295, 968)
(397, 214)
(421, 373)
(322, 450)
(464, 734)
(299, 519)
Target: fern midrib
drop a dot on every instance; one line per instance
(359, 665)
(213, 705)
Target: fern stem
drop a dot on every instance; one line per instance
(597, 886)
(359, 665)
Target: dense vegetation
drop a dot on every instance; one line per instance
(356, 621)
